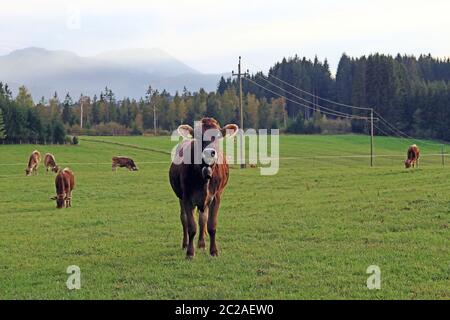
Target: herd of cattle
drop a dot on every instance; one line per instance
(197, 186)
(65, 179)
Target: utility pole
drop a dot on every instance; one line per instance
(149, 100)
(154, 117)
(371, 137)
(81, 116)
(241, 136)
(83, 99)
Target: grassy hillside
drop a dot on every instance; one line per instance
(310, 231)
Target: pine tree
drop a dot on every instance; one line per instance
(24, 97)
(344, 80)
(2, 126)
(67, 114)
(222, 86)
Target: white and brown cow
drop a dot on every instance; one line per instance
(33, 163)
(413, 155)
(64, 183)
(199, 184)
(50, 163)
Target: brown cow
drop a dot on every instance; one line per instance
(33, 163)
(49, 162)
(64, 183)
(412, 157)
(123, 162)
(199, 184)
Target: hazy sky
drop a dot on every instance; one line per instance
(209, 35)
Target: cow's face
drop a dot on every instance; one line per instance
(133, 166)
(27, 171)
(407, 164)
(55, 169)
(209, 133)
(60, 201)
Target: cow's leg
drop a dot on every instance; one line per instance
(212, 225)
(202, 220)
(184, 223)
(66, 199)
(192, 228)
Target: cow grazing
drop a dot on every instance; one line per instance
(412, 157)
(64, 183)
(199, 184)
(123, 162)
(33, 163)
(50, 163)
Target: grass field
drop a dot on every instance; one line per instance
(309, 232)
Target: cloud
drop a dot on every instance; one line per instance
(211, 34)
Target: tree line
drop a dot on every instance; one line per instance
(413, 94)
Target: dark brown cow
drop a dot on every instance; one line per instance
(412, 157)
(50, 163)
(199, 184)
(64, 183)
(123, 162)
(33, 163)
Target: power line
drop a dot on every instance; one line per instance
(401, 133)
(386, 133)
(395, 130)
(307, 92)
(296, 102)
(303, 99)
(318, 97)
(347, 116)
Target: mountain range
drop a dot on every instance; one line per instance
(128, 73)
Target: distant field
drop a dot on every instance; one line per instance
(309, 232)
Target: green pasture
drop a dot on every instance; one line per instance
(308, 232)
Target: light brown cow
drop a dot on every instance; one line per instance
(50, 163)
(199, 184)
(413, 155)
(33, 163)
(64, 183)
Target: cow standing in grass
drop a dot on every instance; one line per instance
(199, 184)
(64, 183)
(33, 163)
(123, 162)
(412, 157)
(50, 163)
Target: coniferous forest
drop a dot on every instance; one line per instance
(411, 93)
